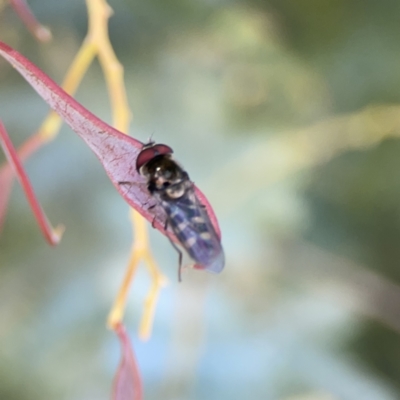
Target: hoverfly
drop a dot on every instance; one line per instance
(170, 185)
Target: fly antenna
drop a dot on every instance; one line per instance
(150, 140)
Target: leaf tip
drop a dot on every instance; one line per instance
(127, 382)
(43, 34)
(57, 234)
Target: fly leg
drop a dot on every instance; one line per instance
(154, 218)
(178, 250)
(180, 259)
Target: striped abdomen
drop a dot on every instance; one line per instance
(191, 225)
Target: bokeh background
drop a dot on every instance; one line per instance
(287, 114)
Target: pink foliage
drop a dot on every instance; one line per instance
(116, 151)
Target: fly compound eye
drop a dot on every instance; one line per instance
(149, 152)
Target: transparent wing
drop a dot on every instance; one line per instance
(189, 221)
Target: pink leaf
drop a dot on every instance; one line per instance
(115, 150)
(127, 383)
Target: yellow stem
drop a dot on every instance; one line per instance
(51, 125)
(97, 43)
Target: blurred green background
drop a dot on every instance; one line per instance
(287, 114)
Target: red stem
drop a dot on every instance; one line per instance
(51, 236)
